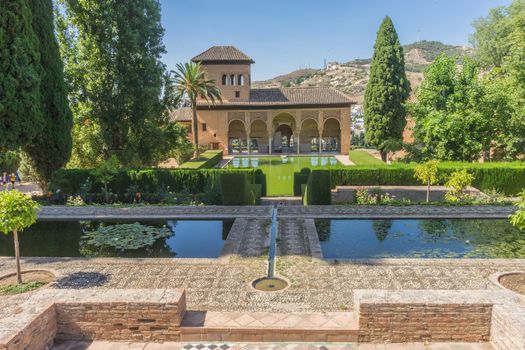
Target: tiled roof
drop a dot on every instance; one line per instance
(222, 54)
(325, 96)
(183, 114)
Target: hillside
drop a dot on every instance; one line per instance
(352, 77)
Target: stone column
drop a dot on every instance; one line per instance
(320, 130)
(270, 141)
(248, 139)
(298, 140)
(345, 125)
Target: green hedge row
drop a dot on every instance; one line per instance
(300, 179)
(318, 189)
(507, 178)
(76, 181)
(206, 160)
(237, 189)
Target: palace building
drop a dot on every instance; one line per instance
(270, 120)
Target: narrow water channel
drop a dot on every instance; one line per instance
(273, 244)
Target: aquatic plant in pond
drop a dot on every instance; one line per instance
(121, 238)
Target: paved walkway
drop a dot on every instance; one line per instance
(100, 345)
(316, 286)
(409, 211)
(344, 159)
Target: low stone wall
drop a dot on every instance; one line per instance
(434, 316)
(38, 333)
(114, 315)
(347, 194)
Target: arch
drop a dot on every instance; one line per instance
(259, 136)
(331, 138)
(232, 79)
(283, 127)
(240, 79)
(236, 136)
(309, 135)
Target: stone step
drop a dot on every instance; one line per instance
(269, 327)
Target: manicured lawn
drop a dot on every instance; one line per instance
(359, 157)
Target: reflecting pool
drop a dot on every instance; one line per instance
(451, 238)
(190, 239)
(279, 170)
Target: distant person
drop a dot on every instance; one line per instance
(18, 178)
(12, 179)
(4, 179)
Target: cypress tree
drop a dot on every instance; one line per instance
(20, 103)
(386, 92)
(51, 148)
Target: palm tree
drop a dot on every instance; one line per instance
(190, 84)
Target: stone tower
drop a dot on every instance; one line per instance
(230, 68)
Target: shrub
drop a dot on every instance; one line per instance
(9, 162)
(206, 160)
(518, 218)
(300, 179)
(238, 189)
(318, 188)
(457, 183)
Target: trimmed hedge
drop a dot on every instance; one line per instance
(237, 189)
(70, 182)
(260, 179)
(318, 190)
(507, 178)
(300, 179)
(206, 160)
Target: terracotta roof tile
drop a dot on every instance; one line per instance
(290, 97)
(181, 114)
(222, 54)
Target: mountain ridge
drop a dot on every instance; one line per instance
(351, 77)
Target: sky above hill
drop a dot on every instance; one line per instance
(284, 35)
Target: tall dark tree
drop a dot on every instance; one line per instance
(113, 50)
(20, 105)
(386, 92)
(51, 148)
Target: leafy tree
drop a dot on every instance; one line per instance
(427, 173)
(18, 212)
(20, 104)
(450, 124)
(118, 85)
(457, 184)
(51, 148)
(106, 172)
(387, 90)
(518, 218)
(491, 37)
(191, 83)
(9, 162)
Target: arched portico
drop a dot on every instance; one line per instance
(259, 136)
(283, 134)
(331, 136)
(237, 140)
(309, 136)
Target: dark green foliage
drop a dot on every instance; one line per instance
(206, 160)
(51, 148)
(507, 178)
(118, 84)
(260, 179)
(72, 182)
(20, 100)
(300, 179)
(9, 162)
(318, 189)
(386, 91)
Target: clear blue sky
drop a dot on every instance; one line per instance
(284, 35)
